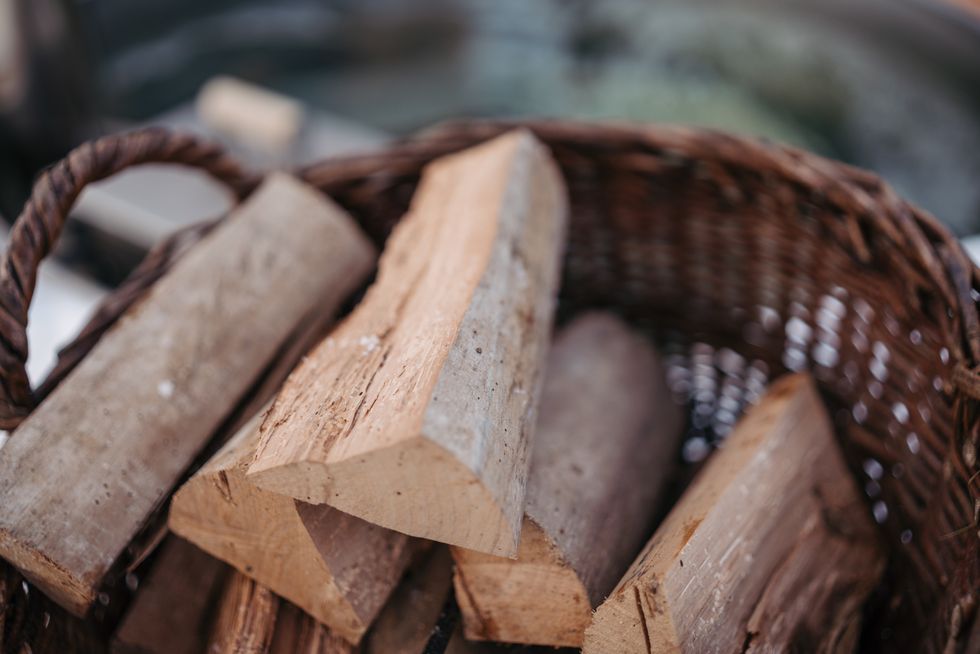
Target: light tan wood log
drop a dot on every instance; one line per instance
(771, 534)
(416, 413)
(338, 568)
(83, 473)
(409, 619)
(171, 613)
(606, 440)
(249, 114)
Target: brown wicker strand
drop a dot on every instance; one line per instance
(709, 241)
(40, 223)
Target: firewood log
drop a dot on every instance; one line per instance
(607, 438)
(82, 475)
(770, 549)
(416, 413)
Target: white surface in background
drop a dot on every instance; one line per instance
(972, 245)
(62, 304)
(146, 203)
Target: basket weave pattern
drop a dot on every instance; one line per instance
(743, 260)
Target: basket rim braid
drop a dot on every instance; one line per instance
(758, 252)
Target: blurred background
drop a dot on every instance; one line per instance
(889, 85)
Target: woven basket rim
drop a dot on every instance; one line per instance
(868, 209)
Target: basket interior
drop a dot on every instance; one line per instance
(741, 272)
(743, 261)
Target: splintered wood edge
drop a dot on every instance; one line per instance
(386, 475)
(246, 618)
(216, 483)
(632, 616)
(499, 505)
(43, 554)
(553, 612)
(71, 593)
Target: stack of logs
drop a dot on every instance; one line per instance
(435, 471)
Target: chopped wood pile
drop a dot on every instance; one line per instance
(446, 468)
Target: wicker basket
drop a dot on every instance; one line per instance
(742, 259)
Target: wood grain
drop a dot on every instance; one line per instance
(84, 472)
(246, 621)
(254, 620)
(338, 568)
(298, 633)
(416, 413)
(770, 537)
(606, 440)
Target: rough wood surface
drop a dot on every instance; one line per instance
(172, 612)
(772, 535)
(338, 568)
(407, 622)
(83, 473)
(416, 412)
(606, 440)
(246, 620)
(30, 621)
(254, 620)
(298, 633)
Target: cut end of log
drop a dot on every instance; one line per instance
(98, 458)
(536, 599)
(302, 576)
(631, 620)
(386, 484)
(72, 593)
(313, 556)
(417, 412)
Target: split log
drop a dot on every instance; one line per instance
(770, 548)
(246, 620)
(84, 472)
(257, 117)
(254, 620)
(416, 413)
(409, 619)
(298, 633)
(338, 568)
(606, 440)
(171, 613)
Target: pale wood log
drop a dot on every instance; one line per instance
(416, 414)
(251, 115)
(172, 612)
(338, 568)
(408, 620)
(771, 535)
(85, 471)
(606, 440)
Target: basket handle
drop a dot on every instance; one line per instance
(40, 223)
